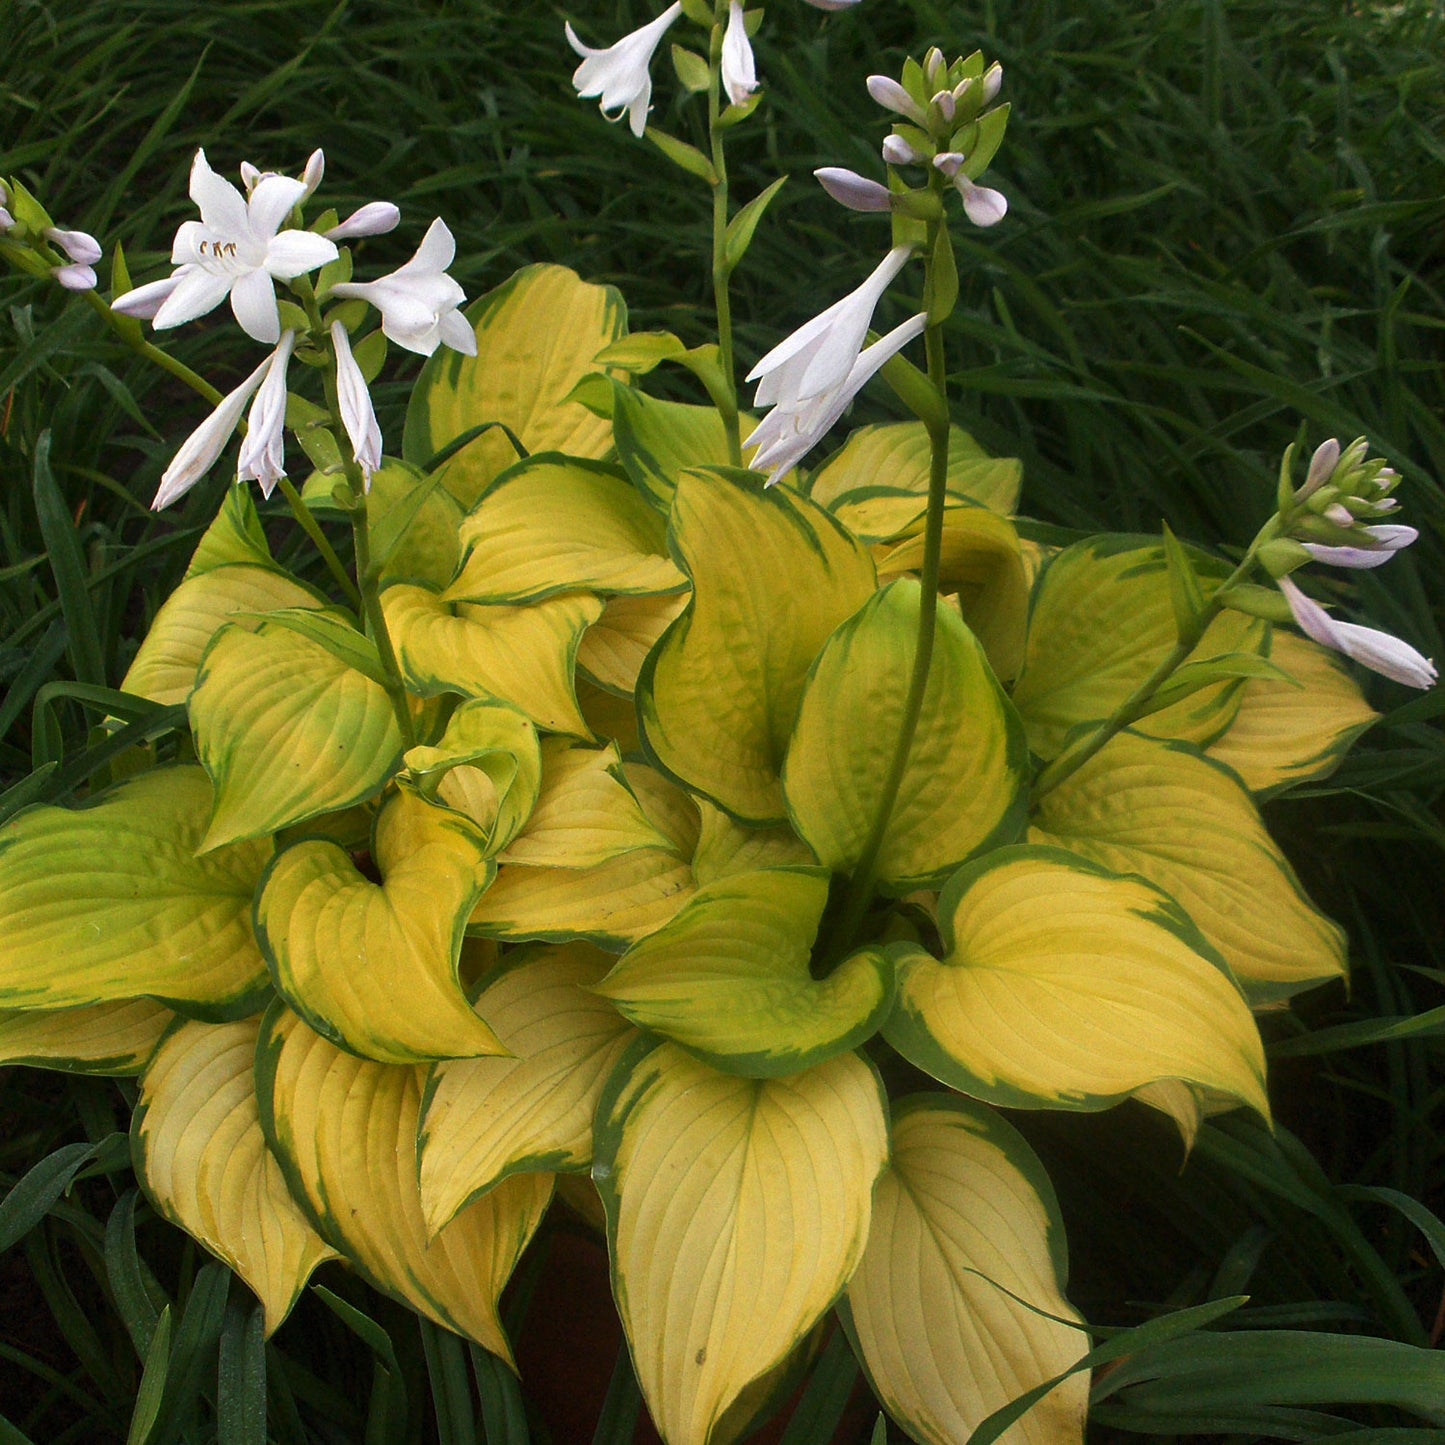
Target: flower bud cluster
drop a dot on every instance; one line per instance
(36, 239)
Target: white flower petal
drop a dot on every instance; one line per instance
(358, 415)
(197, 291)
(739, 70)
(293, 253)
(143, 302)
(457, 333)
(253, 302)
(274, 198)
(198, 453)
(222, 206)
(263, 452)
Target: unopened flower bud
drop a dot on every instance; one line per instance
(856, 192)
(1322, 467)
(311, 176)
(375, 218)
(1339, 514)
(250, 176)
(897, 152)
(992, 82)
(7, 221)
(934, 65)
(76, 277)
(82, 248)
(892, 96)
(948, 162)
(945, 104)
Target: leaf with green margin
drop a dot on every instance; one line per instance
(524, 656)
(728, 979)
(202, 1160)
(1188, 825)
(106, 1039)
(556, 524)
(412, 518)
(725, 847)
(487, 764)
(982, 569)
(1283, 734)
(585, 813)
(616, 645)
(772, 575)
(658, 439)
(1102, 621)
(344, 1130)
(235, 536)
(895, 457)
(286, 731)
(373, 967)
(484, 1120)
(641, 351)
(702, 1174)
(964, 786)
(164, 669)
(537, 336)
(1066, 986)
(964, 1213)
(110, 901)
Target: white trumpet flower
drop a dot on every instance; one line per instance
(263, 453)
(618, 77)
(418, 301)
(1378, 651)
(358, 415)
(739, 72)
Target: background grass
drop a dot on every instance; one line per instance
(1227, 222)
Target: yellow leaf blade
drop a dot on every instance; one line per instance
(616, 645)
(107, 1039)
(200, 1153)
(702, 1174)
(964, 1213)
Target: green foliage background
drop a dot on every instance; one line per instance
(1225, 219)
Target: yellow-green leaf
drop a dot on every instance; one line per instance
(729, 978)
(876, 461)
(1189, 826)
(726, 847)
(537, 337)
(616, 645)
(1284, 735)
(235, 536)
(737, 1209)
(164, 669)
(487, 764)
(108, 1039)
(522, 655)
(344, 1130)
(110, 901)
(486, 1119)
(556, 524)
(203, 1161)
(287, 730)
(1102, 621)
(964, 785)
(373, 967)
(964, 1213)
(658, 439)
(772, 576)
(585, 814)
(982, 570)
(1067, 986)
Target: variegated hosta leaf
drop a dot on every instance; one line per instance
(107, 1039)
(287, 730)
(585, 814)
(737, 1209)
(616, 645)
(963, 787)
(1282, 734)
(537, 335)
(658, 439)
(164, 669)
(1188, 826)
(612, 904)
(963, 1213)
(110, 901)
(982, 567)
(202, 1158)
(486, 1119)
(373, 967)
(1102, 620)
(772, 576)
(726, 847)
(488, 765)
(235, 535)
(861, 483)
(555, 524)
(1065, 986)
(522, 655)
(729, 978)
(344, 1130)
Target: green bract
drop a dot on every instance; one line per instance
(591, 913)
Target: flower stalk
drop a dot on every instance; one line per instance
(727, 404)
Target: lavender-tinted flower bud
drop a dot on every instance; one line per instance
(1322, 468)
(949, 162)
(82, 248)
(75, 278)
(992, 82)
(892, 96)
(897, 152)
(375, 218)
(311, 176)
(1339, 514)
(934, 65)
(945, 104)
(856, 192)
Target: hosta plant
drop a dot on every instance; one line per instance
(651, 822)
